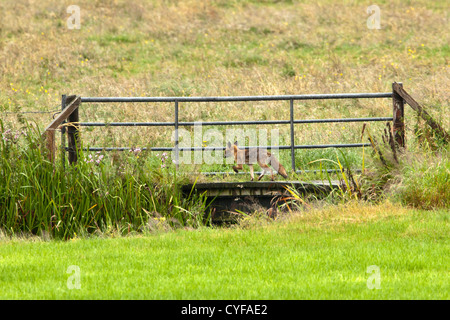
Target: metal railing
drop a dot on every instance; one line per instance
(72, 148)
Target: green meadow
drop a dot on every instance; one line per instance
(321, 254)
(117, 226)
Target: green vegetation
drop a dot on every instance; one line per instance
(425, 181)
(126, 194)
(121, 217)
(317, 254)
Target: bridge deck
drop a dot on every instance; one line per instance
(259, 188)
(227, 197)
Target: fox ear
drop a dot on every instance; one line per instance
(229, 144)
(235, 143)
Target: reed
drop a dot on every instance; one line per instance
(126, 193)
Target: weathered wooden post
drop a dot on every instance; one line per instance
(50, 144)
(48, 136)
(63, 131)
(73, 133)
(398, 126)
(398, 89)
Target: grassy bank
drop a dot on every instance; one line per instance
(319, 254)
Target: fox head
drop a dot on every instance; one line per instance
(229, 151)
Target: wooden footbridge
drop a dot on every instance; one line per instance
(228, 197)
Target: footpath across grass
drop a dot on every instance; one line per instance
(330, 253)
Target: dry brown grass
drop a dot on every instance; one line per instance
(217, 48)
(330, 217)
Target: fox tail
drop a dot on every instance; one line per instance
(278, 166)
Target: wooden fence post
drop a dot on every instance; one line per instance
(398, 89)
(398, 126)
(50, 144)
(73, 135)
(63, 131)
(48, 136)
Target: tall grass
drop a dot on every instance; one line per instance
(418, 176)
(425, 180)
(128, 193)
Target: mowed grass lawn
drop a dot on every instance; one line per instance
(318, 254)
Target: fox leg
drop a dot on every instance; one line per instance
(262, 174)
(251, 172)
(265, 168)
(271, 173)
(237, 168)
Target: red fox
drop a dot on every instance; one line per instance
(250, 157)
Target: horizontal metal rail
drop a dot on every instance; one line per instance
(224, 123)
(241, 98)
(315, 146)
(176, 123)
